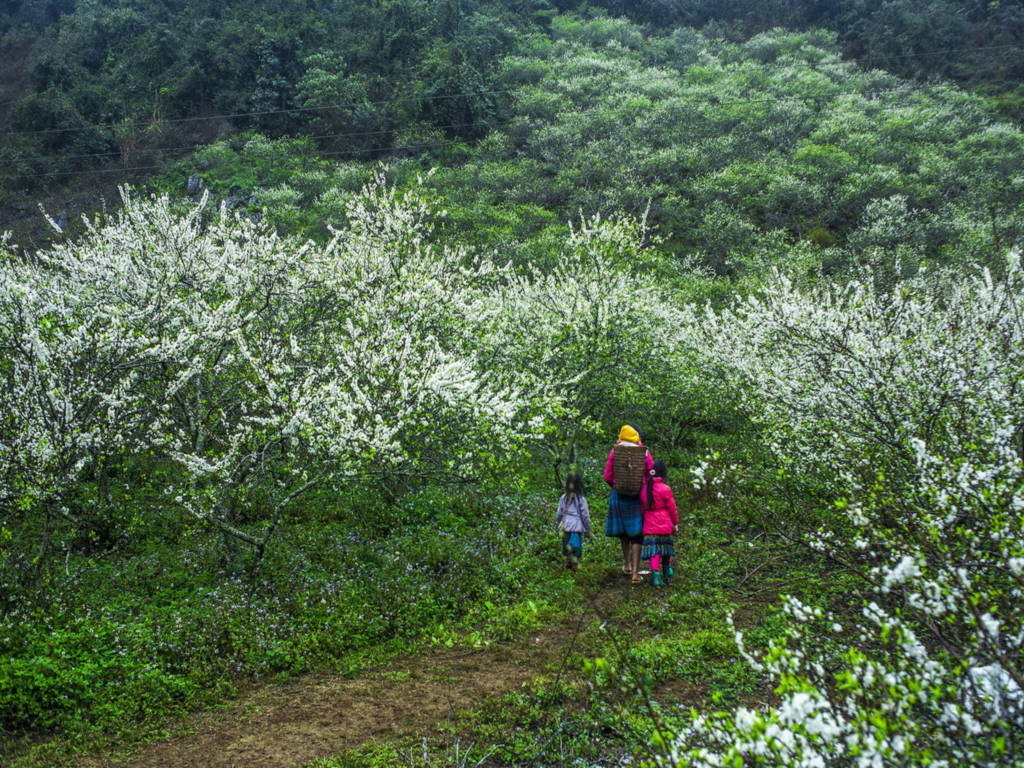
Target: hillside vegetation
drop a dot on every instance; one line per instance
(130, 84)
(306, 399)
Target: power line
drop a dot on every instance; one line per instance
(353, 105)
(258, 113)
(710, 100)
(194, 147)
(953, 50)
(319, 154)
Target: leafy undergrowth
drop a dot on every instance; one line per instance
(629, 677)
(134, 643)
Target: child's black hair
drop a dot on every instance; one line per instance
(660, 470)
(574, 484)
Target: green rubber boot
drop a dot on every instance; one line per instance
(670, 572)
(658, 581)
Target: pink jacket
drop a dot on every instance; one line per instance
(660, 515)
(609, 469)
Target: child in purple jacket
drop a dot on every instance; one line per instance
(573, 520)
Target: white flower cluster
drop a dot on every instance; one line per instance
(710, 474)
(592, 328)
(910, 399)
(255, 367)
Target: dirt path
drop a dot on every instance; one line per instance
(322, 715)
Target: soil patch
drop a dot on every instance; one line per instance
(317, 716)
(320, 716)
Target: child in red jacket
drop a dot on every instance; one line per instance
(660, 523)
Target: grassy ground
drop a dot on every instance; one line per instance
(633, 661)
(461, 628)
(588, 682)
(140, 638)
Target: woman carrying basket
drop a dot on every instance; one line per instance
(628, 465)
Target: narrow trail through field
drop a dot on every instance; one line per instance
(318, 716)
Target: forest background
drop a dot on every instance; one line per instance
(405, 263)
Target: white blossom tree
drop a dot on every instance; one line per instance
(69, 389)
(239, 369)
(257, 366)
(910, 400)
(593, 333)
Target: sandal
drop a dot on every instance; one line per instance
(627, 571)
(637, 579)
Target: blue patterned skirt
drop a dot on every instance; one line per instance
(658, 544)
(625, 518)
(572, 544)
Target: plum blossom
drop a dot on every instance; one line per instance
(907, 403)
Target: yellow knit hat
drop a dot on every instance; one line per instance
(629, 435)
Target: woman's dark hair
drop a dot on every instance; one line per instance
(638, 432)
(660, 470)
(574, 484)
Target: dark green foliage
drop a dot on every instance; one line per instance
(142, 80)
(136, 83)
(749, 154)
(171, 626)
(970, 42)
(773, 153)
